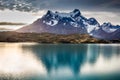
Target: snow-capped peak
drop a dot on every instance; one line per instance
(91, 27)
(51, 18)
(74, 18)
(74, 13)
(109, 28)
(106, 24)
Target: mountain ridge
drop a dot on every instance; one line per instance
(72, 23)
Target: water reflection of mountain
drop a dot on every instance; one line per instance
(71, 56)
(109, 51)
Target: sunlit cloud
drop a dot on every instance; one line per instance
(17, 16)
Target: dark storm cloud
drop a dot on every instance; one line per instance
(34, 5)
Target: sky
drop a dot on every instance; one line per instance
(27, 11)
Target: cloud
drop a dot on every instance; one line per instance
(112, 3)
(36, 5)
(17, 16)
(20, 5)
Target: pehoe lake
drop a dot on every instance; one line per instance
(34, 61)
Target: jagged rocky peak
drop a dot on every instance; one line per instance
(106, 24)
(110, 25)
(75, 13)
(92, 21)
(76, 10)
(48, 14)
(73, 18)
(109, 28)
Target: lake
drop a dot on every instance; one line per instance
(34, 61)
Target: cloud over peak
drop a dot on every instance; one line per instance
(35, 5)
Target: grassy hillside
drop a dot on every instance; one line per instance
(49, 38)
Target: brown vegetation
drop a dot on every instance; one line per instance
(49, 38)
(9, 23)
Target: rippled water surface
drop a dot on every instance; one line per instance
(33, 61)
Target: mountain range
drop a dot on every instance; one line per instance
(72, 23)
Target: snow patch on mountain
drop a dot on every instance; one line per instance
(74, 24)
(51, 23)
(90, 28)
(52, 18)
(109, 28)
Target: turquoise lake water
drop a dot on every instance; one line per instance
(33, 61)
